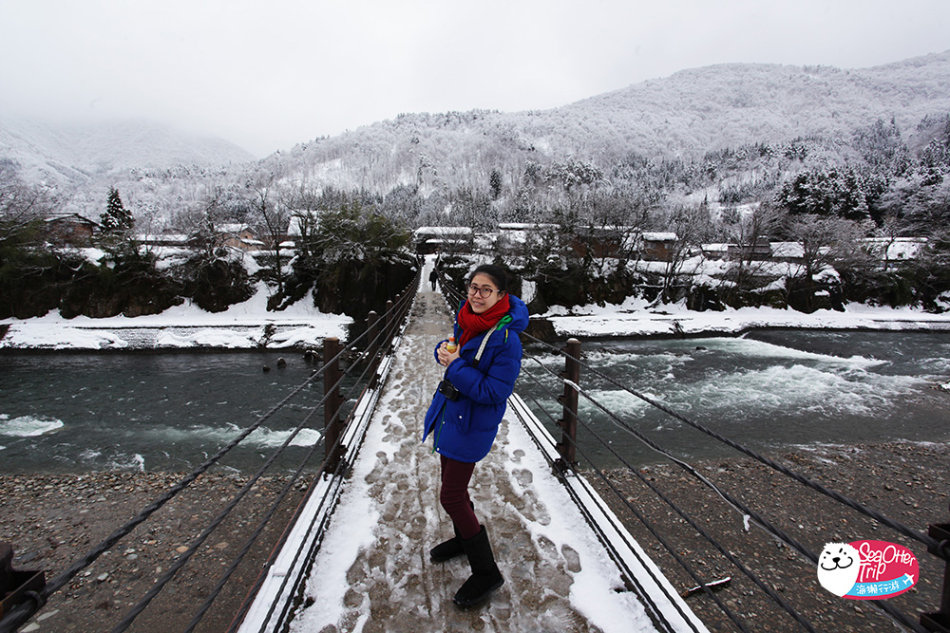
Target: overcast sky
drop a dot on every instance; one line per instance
(269, 74)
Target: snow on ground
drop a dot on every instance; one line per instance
(636, 318)
(245, 325)
(373, 573)
(250, 325)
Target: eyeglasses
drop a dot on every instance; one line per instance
(484, 293)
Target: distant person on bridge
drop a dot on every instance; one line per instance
(466, 411)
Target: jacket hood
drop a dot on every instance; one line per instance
(518, 314)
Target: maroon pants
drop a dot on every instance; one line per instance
(454, 496)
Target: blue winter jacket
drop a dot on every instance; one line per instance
(464, 429)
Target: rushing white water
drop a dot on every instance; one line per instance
(769, 390)
(27, 426)
(171, 411)
(766, 390)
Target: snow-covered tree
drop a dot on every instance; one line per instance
(22, 206)
(116, 218)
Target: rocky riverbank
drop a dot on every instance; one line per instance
(54, 520)
(906, 482)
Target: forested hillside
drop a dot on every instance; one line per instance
(732, 153)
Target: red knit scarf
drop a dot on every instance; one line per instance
(473, 324)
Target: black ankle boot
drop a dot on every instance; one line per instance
(485, 576)
(447, 550)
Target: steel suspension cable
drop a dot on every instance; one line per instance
(745, 570)
(299, 551)
(19, 614)
(186, 556)
(649, 526)
(310, 555)
(262, 525)
(765, 524)
(287, 487)
(899, 527)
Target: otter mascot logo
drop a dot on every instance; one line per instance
(838, 568)
(867, 570)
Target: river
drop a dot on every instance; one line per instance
(769, 390)
(77, 412)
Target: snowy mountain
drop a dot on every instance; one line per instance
(78, 153)
(686, 115)
(742, 129)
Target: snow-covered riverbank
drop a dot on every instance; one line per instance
(250, 325)
(246, 325)
(635, 318)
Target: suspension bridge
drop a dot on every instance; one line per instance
(355, 556)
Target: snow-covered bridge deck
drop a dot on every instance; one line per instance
(372, 571)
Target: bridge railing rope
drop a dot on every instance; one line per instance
(745, 511)
(374, 342)
(568, 447)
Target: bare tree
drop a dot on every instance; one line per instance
(22, 206)
(887, 234)
(749, 232)
(304, 205)
(691, 226)
(273, 219)
(823, 240)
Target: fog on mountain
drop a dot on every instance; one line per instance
(724, 154)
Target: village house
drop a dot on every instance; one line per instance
(760, 250)
(714, 251)
(432, 239)
(163, 239)
(239, 236)
(788, 252)
(512, 237)
(894, 249)
(72, 230)
(658, 246)
(605, 241)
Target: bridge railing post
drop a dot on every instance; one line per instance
(390, 326)
(333, 401)
(569, 401)
(372, 331)
(940, 621)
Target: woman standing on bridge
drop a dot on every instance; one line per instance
(466, 411)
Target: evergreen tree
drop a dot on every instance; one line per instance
(116, 218)
(494, 182)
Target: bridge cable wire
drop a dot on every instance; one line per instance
(755, 579)
(649, 526)
(185, 556)
(21, 613)
(16, 615)
(384, 334)
(739, 506)
(183, 559)
(310, 555)
(855, 505)
(273, 509)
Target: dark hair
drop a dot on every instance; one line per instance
(496, 273)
